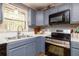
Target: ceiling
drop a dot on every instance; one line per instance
(41, 6)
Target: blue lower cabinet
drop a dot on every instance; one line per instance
(74, 52)
(18, 51)
(40, 44)
(30, 49)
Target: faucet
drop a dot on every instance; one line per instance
(18, 31)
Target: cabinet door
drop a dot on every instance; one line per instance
(63, 7)
(74, 52)
(75, 13)
(18, 51)
(1, 13)
(39, 18)
(31, 17)
(53, 10)
(30, 49)
(46, 17)
(40, 44)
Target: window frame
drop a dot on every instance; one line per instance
(25, 28)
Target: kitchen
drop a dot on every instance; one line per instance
(39, 29)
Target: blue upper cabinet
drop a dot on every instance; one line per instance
(42, 18)
(74, 13)
(1, 13)
(39, 18)
(59, 8)
(46, 17)
(63, 7)
(31, 17)
(53, 10)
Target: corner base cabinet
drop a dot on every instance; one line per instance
(74, 47)
(27, 47)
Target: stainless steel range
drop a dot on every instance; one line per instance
(58, 43)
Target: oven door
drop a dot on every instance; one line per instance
(54, 50)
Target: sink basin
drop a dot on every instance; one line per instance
(20, 37)
(11, 38)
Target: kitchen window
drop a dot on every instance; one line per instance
(14, 17)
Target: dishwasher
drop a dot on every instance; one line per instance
(3, 49)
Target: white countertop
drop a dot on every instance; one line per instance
(4, 40)
(75, 37)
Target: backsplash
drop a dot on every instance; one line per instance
(59, 26)
(52, 28)
(62, 26)
(2, 27)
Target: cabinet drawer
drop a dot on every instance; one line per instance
(12, 45)
(18, 43)
(74, 52)
(19, 51)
